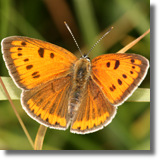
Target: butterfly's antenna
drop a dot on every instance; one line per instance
(73, 38)
(99, 40)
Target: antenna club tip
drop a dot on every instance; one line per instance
(111, 27)
(64, 22)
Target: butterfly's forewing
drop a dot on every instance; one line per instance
(48, 104)
(94, 112)
(33, 62)
(119, 74)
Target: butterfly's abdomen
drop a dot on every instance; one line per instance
(81, 75)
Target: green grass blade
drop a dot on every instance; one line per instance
(140, 95)
(12, 89)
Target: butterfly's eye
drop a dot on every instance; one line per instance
(88, 58)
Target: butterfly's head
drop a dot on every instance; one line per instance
(82, 67)
(85, 57)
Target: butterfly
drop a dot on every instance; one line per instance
(59, 90)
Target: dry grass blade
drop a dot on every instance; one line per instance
(127, 47)
(40, 137)
(19, 118)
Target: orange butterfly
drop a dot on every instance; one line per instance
(58, 89)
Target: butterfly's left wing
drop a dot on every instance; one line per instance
(119, 74)
(94, 112)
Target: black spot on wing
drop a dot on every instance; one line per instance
(47, 119)
(112, 88)
(108, 64)
(26, 60)
(35, 75)
(117, 64)
(29, 67)
(41, 52)
(52, 55)
(131, 72)
(132, 60)
(119, 82)
(23, 43)
(19, 54)
(133, 67)
(19, 49)
(124, 76)
(56, 123)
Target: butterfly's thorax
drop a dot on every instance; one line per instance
(81, 75)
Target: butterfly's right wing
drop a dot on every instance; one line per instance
(48, 104)
(119, 74)
(94, 112)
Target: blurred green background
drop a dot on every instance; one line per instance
(88, 20)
